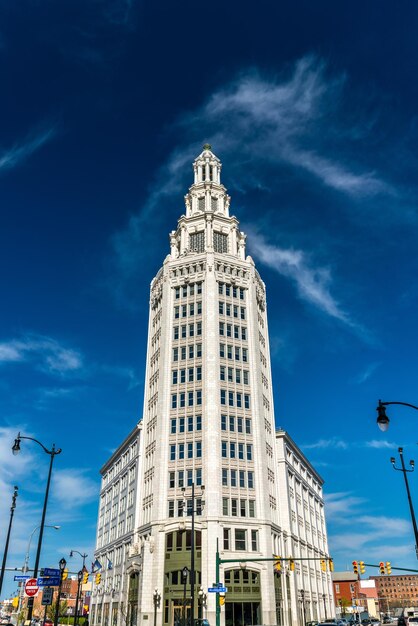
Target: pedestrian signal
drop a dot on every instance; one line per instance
(277, 565)
(98, 579)
(331, 565)
(85, 578)
(355, 567)
(64, 574)
(292, 565)
(382, 568)
(362, 567)
(323, 565)
(388, 568)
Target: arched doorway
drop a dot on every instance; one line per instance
(243, 600)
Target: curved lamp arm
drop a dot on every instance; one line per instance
(382, 418)
(16, 445)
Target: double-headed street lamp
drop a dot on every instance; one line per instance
(157, 599)
(6, 548)
(408, 493)
(52, 453)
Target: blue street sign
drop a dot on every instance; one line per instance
(21, 577)
(218, 589)
(49, 571)
(49, 581)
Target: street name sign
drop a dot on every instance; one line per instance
(47, 595)
(50, 571)
(49, 581)
(217, 589)
(31, 587)
(22, 577)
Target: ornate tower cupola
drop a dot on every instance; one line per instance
(207, 225)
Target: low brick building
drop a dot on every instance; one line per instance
(396, 591)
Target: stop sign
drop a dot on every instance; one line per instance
(31, 587)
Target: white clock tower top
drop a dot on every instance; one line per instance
(207, 225)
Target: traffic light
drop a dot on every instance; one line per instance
(323, 565)
(221, 599)
(64, 575)
(355, 567)
(382, 568)
(98, 579)
(85, 578)
(388, 568)
(292, 565)
(362, 567)
(331, 565)
(277, 565)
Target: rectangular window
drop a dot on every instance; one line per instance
(246, 377)
(229, 330)
(199, 476)
(223, 422)
(199, 307)
(191, 352)
(222, 372)
(233, 478)
(249, 452)
(183, 353)
(239, 400)
(240, 539)
(223, 448)
(227, 532)
(228, 290)
(237, 353)
(181, 478)
(238, 376)
(183, 331)
(221, 328)
(182, 375)
(224, 477)
(232, 423)
(220, 288)
(243, 313)
(190, 398)
(174, 401)
(198, 422)
(248, 426)
(229, 353)
(198, 449)
(174, 377)
(241, 478)
(245, 355)
(175, 354)
(190, 450)
(223, 396)
(181, 450)
(171, 508)
(198, 397)
(234, 507)
(254, 541)
(184, 310)
(184, 291)
(225, 506)
(243, 508)
(182, 400)
(198, 288)
(191, 308)
(190, 424)
(197, 240)
(232, 449)
(198, 350)
(241, 451)
(243, 333)
(220, 243)
(171, 480)
(173, 426)
(230, 374)
(251, 508)
(199, 328)
(236, 332)
(175, 332)
(228, 309)
(172, 453)
(177, 292)
(241, 294)
(239, 424)
(221, 350)
(230, 398)
(181, 425)
(235, 311)
(176, 312)
(250, 478)
(221, 307)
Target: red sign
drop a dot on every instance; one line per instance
(31, 587)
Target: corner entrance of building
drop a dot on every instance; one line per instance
(179, 615)
(242, 613)
(243, 600)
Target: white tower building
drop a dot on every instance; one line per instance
(209, 442)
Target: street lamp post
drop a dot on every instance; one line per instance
(83, 556)
(325, 605)
(62, 565)
(192, 554)
(302, 596)
(156, 597)
(408, 493)
(184, 573)
(6, 548)
(53, 452)
(79, 579)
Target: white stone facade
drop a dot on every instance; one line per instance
(208, 419)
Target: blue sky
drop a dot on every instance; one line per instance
(312, 109)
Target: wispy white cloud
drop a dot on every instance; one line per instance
(322, 444)
(381, 444)
(48, 355)
(19, 152)
(366, 373)
(339, 503)
(76, 482)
